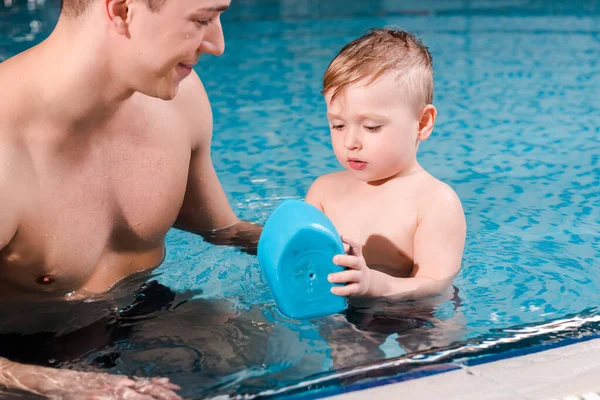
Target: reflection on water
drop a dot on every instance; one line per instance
(212, 348)
(208, 346)
(509, 342)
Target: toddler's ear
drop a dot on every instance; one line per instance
(428, 114)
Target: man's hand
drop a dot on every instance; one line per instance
(243, 234)
(358, 277)
(71, 385)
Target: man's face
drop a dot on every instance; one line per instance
(164, 45)
(374, 129)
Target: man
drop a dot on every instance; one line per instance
(105, 134)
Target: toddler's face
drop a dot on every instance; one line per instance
(374, 129)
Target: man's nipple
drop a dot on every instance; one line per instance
(45, 279)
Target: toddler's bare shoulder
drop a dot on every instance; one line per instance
(436, 193)
(332, 179)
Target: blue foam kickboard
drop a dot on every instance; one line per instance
(295, 251)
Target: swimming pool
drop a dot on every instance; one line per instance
(518, 137)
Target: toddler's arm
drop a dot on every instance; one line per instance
(315, 193)
(438, 248)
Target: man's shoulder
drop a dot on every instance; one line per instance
(10, 159)
(14, 116)
(16, 94)
(191, 88)
(14, 70)
(192, 99)
(189, 112)
(193, 106)
(8, 65)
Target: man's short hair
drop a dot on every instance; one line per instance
(75, 8)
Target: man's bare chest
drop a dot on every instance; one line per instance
(85, 215)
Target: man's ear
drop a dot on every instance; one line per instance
(119, 15)
(428, 114)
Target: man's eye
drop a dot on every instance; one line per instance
(203, 22)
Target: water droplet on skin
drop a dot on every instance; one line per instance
(45, 279)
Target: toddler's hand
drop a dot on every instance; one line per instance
(357, 277)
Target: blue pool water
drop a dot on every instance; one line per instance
(517, 137)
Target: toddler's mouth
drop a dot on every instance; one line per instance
(357, 164)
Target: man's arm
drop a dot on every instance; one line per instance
(438, 250)
(71, 385)
(206, 210)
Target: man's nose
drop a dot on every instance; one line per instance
(213, 41)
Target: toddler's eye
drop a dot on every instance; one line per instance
(373, 128)
(337, 127)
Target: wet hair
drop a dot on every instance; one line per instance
(380, 51)
(75, 8)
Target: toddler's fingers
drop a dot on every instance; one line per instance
(346, 248)
(344, 277)
(347, 261)
(355, 245)
(348, 290)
